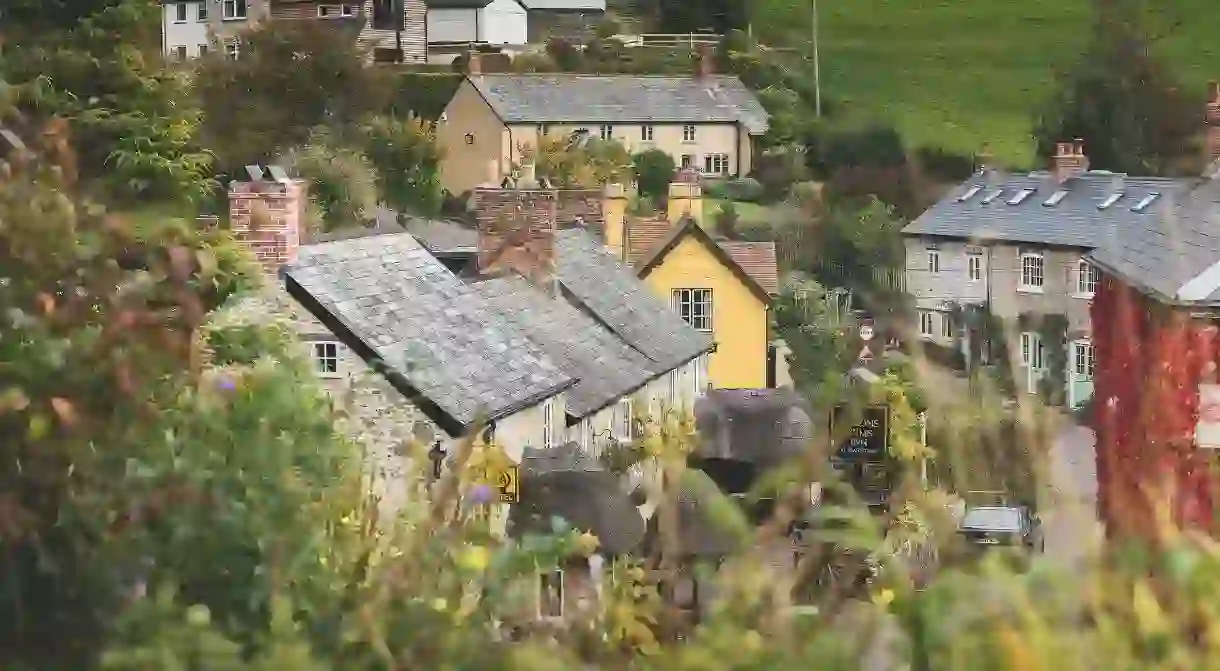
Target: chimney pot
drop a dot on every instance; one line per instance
(1069, 160)
(474, 63)
(1211, 120)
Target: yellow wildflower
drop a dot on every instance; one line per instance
(474, 558)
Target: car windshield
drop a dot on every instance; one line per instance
(993, 519)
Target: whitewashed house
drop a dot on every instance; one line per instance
(494, 22)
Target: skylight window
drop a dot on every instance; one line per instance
(1021, 195)
(992, 196)
(1055, 198)
(970, 193)
(1110, 200)
(1145, 202)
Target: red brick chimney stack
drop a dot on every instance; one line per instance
(1212, 121)
(1070, 160)
(517, 233)
(266, 214)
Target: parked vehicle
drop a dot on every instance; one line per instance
(1002, 526)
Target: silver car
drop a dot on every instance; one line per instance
(1002, 526)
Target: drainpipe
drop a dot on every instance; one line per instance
(400, 15)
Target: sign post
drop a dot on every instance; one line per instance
(507, 481)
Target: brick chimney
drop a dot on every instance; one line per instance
(266, 214)
(517, 233)
(1212, 121)
(685, 197)
(1070, 160)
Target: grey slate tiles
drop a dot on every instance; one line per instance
(422, 321)
(612, 293)
(606, 367)
(1157, 248)
(621, 99)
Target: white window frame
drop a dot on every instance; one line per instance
(233, 49)
(974, 267)
(548, 423)
(326, 355)
(556, 575)
(180, 10)
(180, 52)
(1087, 371)
(1087, 278)
(688, 133)
(700, 376)
(925, 323)
(672, 382)
(1026, 282)
(1033, 350)
(933, 260)
(694, 297)
(687, 161)
(606, 131)
(646, 133)
(203, 50)
(337, 11)
(716, 164)
(201, 13)
(624, 416)
(229, 10)
(586, 434)
(946, 326)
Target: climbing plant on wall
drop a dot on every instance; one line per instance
(1052, 330)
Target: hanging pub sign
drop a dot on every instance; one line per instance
(866, 441)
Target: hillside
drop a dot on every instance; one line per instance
(957, 73)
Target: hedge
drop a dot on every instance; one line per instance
(424, 94)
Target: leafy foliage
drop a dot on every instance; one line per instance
(135, 140)
(292, 77)
(589, 164)
(654, 170)
(406, 157)
(1123, 101)
(343, 182)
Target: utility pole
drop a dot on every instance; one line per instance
(817, 75)
(400, 18)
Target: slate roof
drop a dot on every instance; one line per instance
(621, 99)
(456, 4)
(1075, 221)
(445, 347)
(441, 236)
(565, 5)
(617, 298)
(759, 426)
(607, 368)
(1163, 253)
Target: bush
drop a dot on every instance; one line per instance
(565, 54)
(872, 146)
(606, 28)
(776, 172)
(727, 219)
(422, 94)
(746, 190)
(854, 187)
(534, 62)
(945, 165)
(654, 170)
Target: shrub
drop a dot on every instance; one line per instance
(534, 62)
(871, 146)
(565, 54)
(422, 94)
(727, 219)
(777, 170)
(945, 165)
(654, 170)
(853, 187)
(343, 182)
(745, 189)
(606, 28)
(407, 158)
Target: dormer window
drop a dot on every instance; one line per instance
(1110, 200)
(992, 196)
(1145, 202)
(970, 193)
(1021, 196)
(1055, 198)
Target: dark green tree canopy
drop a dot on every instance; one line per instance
(1124, 102)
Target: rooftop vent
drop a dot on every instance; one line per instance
(970, 193)
(1145, 202)
(1110, 200)
(1021, 195)
(992, 196)
(1055, 198)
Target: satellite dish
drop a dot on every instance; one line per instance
(423, 432)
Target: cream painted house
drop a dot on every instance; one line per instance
(706, 122)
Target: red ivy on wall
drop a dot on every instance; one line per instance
(1150, 360)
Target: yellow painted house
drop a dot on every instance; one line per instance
(722, 287)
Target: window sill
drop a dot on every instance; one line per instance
(1087, 297)
(330, 376)
(233, 18)
(1030, 290)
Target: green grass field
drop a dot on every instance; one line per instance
(956, 73)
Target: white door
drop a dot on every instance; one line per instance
(1080, 373)
(1033, 352)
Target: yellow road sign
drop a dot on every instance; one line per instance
(507, 482)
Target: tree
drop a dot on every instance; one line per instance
(727, 219)
(97, 64)
(343, 182)
(1123, 101)
(407, 158)
(292, 77)
(654, 170)
(580, 162)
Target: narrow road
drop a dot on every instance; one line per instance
(1069, 501)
